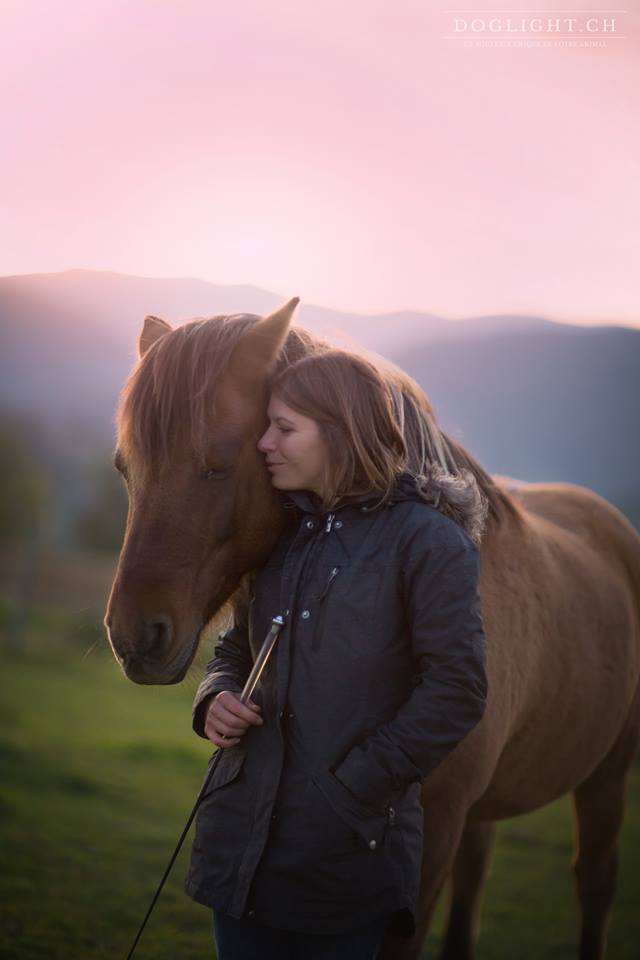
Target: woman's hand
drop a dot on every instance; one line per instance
(227, 718)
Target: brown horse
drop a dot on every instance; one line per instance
(560, 587)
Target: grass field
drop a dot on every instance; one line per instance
(99, 776)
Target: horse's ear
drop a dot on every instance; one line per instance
(153, 328)
(258, 350)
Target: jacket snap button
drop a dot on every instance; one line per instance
(310, 524)
(338, 524)
(305, 614)
(290, 716)
(281, 714)
(372, 844)
(251, 914)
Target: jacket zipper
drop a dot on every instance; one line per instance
(315, 643)
(334, 573)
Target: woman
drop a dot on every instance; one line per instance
(309, 843)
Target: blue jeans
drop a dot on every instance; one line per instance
(247, 940)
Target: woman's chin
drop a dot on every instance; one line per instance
(277, 482)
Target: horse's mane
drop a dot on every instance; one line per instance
(170, 398)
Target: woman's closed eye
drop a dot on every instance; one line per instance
(281, 427)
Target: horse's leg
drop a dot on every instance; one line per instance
(443, 828)
(469, 873)
(599, 807)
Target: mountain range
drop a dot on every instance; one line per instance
(529, 397)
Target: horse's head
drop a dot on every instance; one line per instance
(202, 511)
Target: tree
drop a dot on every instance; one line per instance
(100, 526)
(24, 489)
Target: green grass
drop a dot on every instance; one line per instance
(98, 778)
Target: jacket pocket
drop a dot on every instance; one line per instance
(227, 767)
(370, 825)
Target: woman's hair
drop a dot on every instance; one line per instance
(353, 406)
(374, 431)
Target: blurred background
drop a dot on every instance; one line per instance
(458, 198)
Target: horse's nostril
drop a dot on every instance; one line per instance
(156, 636)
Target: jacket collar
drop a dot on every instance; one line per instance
(405, 488)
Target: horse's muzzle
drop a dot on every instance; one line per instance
(149, 657)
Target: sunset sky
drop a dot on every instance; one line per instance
(352, 152)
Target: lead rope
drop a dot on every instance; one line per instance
(277, 624)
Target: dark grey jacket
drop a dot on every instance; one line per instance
(313, 821)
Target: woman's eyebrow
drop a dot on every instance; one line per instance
(284, 420)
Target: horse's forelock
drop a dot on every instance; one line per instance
(168, 400)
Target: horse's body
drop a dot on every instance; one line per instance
(560, 588)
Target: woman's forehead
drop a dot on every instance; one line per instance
(278, 408)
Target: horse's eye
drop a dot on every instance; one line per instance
(120, 465)
(214, 474)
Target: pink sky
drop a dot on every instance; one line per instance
(341, 150)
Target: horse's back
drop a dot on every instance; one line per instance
(584, 539)
(597, 524)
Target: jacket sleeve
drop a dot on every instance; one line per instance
(442, 603)
(230, 666)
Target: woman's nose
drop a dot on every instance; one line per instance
(265, 443)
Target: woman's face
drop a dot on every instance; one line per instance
(296, 455)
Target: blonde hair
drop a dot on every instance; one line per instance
(354, 408)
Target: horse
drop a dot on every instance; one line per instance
(559, 587)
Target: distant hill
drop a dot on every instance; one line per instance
(68, 339)
(543, 407)
(531, 398)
